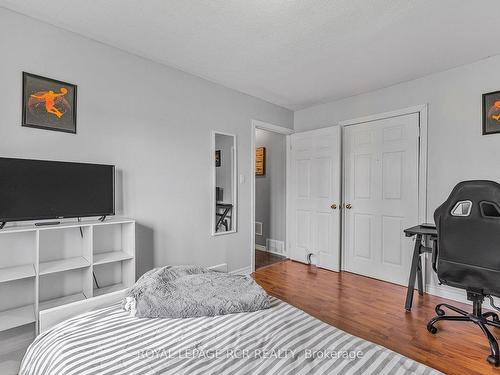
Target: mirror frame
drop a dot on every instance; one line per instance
(214, 184)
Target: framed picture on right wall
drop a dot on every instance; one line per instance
(491, 113)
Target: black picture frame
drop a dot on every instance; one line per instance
(32, 113)
(490, 125)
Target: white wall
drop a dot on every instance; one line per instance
(456, 149)
(270, 197)
(152, 121)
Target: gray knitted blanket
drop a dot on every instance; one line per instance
(193, 291)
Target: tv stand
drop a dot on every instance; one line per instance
(102, 218)
(2, 224)
(43, 257)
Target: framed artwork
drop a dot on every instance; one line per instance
(491, 113)
(48, 104)
(260, 161)
(218, 158)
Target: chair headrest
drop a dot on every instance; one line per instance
(472, 199)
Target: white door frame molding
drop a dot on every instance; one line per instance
(422, 111)
(256, 124)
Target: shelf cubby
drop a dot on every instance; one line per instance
(65, 249)
(60, 288)
(113, 276)
(113, 257)
(19, 308)
(113, 243)
(17, 256)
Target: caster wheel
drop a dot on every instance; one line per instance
(432, 329)
(440, 312)
(493, 360)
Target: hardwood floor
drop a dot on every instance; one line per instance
(264, 258)
(374, 310)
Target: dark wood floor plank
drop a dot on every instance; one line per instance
(374, 310)
(265, 258)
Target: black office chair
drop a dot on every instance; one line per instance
(468, 253)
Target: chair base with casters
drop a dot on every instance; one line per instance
(483, 320)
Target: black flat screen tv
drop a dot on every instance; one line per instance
(39, 189)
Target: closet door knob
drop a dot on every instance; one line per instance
(333, 206)
(348, 206)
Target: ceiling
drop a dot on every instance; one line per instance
(294, 53)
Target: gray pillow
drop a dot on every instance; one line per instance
(193, 291)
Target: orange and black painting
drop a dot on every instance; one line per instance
(48, 104)
(491, 113)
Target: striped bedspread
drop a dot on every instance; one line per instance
(280, 340)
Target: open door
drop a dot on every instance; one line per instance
(315, 197)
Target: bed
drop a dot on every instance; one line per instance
(279, 340)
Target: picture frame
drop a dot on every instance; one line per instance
(260, 161)
(48, 104)
(491, 113)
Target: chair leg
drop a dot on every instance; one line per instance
(494, 357)
(493, 323)
(491, 314)
(479, 319)
(432, 329)
(441, 312)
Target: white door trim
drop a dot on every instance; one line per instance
(422, 111)
(256, 124)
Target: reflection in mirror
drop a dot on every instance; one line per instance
(224, 206)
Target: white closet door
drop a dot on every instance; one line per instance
(315, 196)
(381, 196)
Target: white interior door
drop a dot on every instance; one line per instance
(315, 197)
(380, 196)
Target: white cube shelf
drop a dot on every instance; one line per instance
(58, 264)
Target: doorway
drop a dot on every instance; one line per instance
(269, 194)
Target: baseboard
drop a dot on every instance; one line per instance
(242, 271)
(447, 292)
(455, 294)
(224, 268)
(219, 267)
(263, 248)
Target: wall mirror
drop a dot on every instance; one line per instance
(224, 187)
